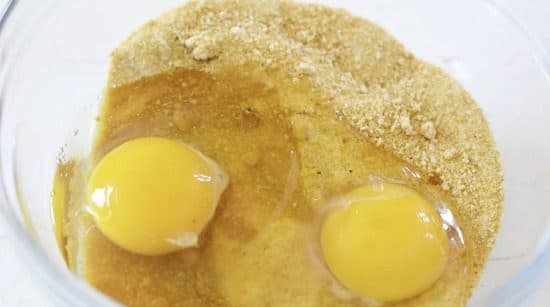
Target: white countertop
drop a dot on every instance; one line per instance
(19, 288)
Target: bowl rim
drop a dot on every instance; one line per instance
(73, 291)
(66, 288)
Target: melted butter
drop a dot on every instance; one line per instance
(285, 153)
(60, 199)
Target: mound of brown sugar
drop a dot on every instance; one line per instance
(397, 102)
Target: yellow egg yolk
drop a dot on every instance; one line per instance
(154, 196)
(385, 242)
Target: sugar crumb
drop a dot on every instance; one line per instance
(405, 124)
(428, 130)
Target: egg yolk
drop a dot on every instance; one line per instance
(153, 196)
(385, 242)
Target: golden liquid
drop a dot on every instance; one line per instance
(286, 153)
(60, 199)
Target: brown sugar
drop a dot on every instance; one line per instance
(351, 102)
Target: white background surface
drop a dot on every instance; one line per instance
(18, 288)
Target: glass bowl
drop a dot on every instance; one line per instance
(54, 57)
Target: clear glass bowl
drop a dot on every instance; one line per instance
(54, 57)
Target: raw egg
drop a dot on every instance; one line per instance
(153, 196)
(384, 242)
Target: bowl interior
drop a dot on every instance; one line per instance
(56, 57)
